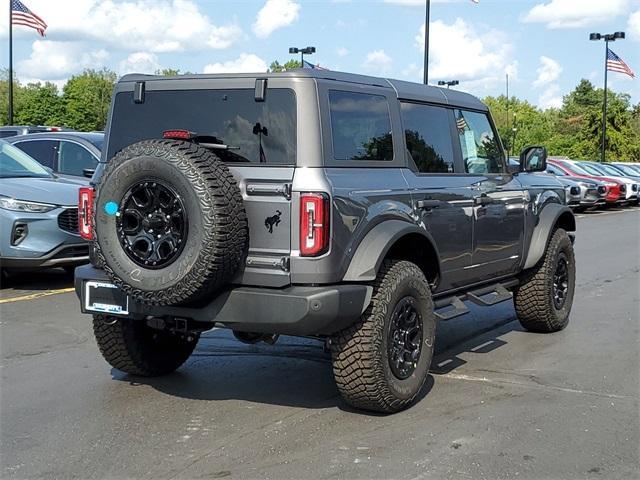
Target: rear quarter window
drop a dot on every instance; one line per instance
(360, 126)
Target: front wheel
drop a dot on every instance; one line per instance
(133, 347)
(381, 362)
(544, 297)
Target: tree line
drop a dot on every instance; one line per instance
(574, 130)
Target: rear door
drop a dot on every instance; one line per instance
(261, 135)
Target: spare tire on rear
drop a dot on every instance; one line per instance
(170, 225)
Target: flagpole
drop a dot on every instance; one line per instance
(604, 105)
(426, 42)
(10, 64)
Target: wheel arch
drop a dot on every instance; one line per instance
(552, 216)
(394, 239)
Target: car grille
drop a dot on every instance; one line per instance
(68, 220)
(602, 189)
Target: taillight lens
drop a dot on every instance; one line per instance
(314, 224)
(177, 134)
(85, 212)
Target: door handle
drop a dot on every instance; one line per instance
(483, 199)
(428, 204)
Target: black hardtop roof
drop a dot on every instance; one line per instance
(404, 90)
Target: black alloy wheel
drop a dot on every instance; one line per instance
(560, 281)
(404, 338)
(152, 224)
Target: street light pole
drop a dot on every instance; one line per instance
(302, 52)
(609, 37)
(426, 42)
(450, 83)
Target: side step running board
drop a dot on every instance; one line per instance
(489, 296)
(452, 307)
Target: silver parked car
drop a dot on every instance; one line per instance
(38, 215)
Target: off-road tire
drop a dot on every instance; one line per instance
(533, 298)
(217, 239)
(133, 347)
(360, 357)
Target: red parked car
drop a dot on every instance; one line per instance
(615, 189)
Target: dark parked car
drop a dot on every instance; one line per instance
(68, 154)
(13, 130)
(357, 210)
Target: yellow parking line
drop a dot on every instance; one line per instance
(37, 295)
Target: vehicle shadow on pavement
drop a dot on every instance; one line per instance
(296, 372)
(37, 280)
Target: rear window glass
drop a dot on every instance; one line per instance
(8, 133)
(360, 126)
(257, 132)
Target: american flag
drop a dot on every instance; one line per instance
(461, 123)
(21, 15)
(616, 64)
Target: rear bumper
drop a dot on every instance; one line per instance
(296, 310)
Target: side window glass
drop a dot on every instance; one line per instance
(360, 126)
(428, 137)
(554, 170)
(44, 151)
(481, 152)
(74, 158)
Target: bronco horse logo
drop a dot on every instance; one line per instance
(272, 221)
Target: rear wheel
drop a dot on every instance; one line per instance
(544, 297)
(133, 347)
(381, 362)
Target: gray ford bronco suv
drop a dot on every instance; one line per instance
(357, 210)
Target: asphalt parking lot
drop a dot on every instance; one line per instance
(500, 402)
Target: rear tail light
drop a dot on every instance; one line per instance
(177, 134)
(85, 212)
(314, 224)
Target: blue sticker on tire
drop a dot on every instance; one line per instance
(111, 208)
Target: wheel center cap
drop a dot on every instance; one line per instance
(155, 223)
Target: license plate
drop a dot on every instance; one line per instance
(105, 298)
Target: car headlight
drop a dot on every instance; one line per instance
(14, 205)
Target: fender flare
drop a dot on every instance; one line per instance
(371, 251)
(547, 219)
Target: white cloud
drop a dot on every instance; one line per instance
(51, 60)
(140, 62)
(275, 14)
(550, 98)
(548, 72)
(377, 62)
(245, 63)
(458, 52)
(135, 25)
(342, 52)
(575, 13)
(633, 25)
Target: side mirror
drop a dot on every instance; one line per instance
(88, 172)
(533, 159)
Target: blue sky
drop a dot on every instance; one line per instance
(542, 44)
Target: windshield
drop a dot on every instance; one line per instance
(14, 163)
(255, 132)
(608, 169)
(589, 169)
